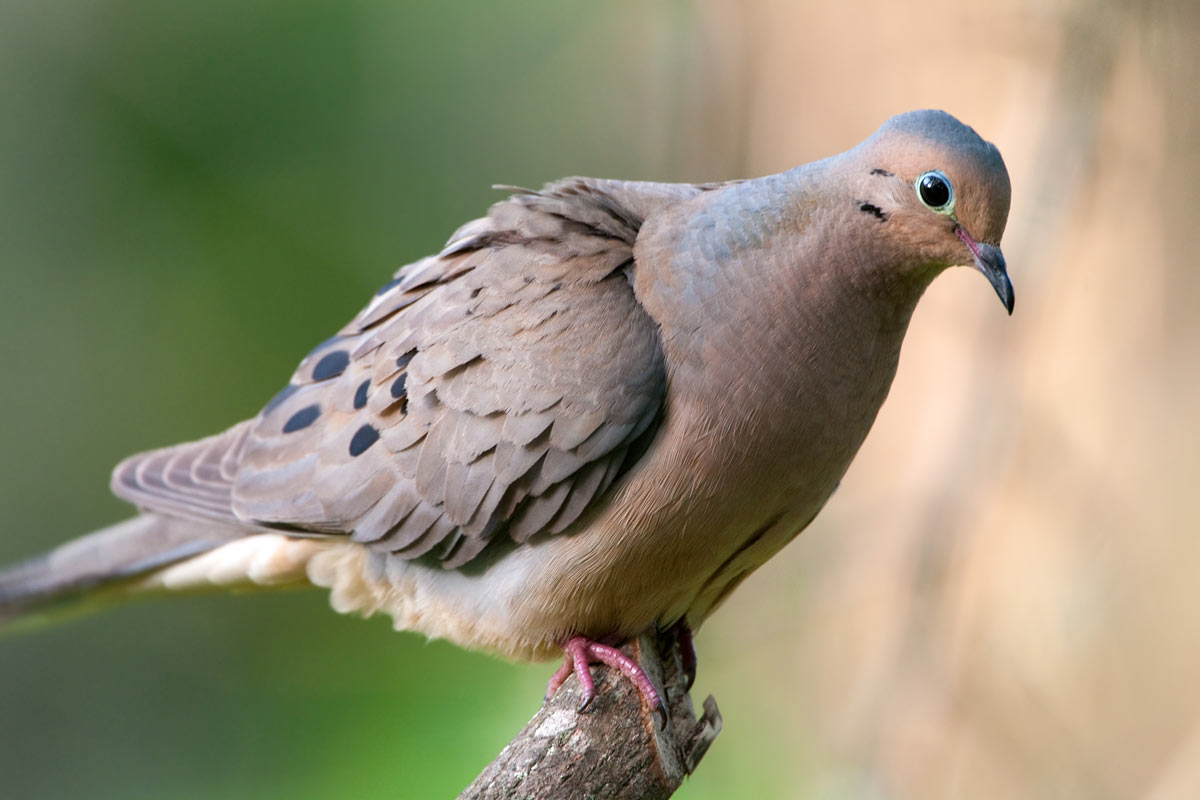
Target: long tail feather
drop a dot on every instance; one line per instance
(102, 560)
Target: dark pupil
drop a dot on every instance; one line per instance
(934, 191)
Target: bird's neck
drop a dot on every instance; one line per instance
(765, 333)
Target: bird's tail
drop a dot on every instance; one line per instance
(85, 572)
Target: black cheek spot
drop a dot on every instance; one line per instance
(363, 438)
(873, 210)
(331, 365)
(302, 419)
(360, 396)
(398, 385)
(276, 401)
(883, 172)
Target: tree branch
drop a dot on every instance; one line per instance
(615, 749)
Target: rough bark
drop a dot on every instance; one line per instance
(614, 749)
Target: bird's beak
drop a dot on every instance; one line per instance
(990, 261)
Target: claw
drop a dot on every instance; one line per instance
(580, 651)
(687, 652)
(577, 654)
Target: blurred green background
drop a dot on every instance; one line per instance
(1000, 602)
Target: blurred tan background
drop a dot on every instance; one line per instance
(1000, 602)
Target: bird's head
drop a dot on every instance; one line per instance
(941, 192)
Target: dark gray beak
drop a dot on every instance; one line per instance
(990, 261)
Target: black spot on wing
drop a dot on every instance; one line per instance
(874, 210)
(403, 360)
(323, 345)
(331, 365)
(363, 438)
(394, 282)
(398, 385)
(302, 419)
(360, 396)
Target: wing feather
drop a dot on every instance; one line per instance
(495, 388)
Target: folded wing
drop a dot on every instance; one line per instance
(498, 388)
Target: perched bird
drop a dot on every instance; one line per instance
(593, 413)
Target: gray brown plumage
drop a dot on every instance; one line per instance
(595, 411)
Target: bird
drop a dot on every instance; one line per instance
(592, 414)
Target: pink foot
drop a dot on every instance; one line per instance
(581, 651)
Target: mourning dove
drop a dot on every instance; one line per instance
(593, 413)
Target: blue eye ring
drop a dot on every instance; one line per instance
(935, 191)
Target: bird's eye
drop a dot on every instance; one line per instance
(936, 191)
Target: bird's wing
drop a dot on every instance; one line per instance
(500, 386)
